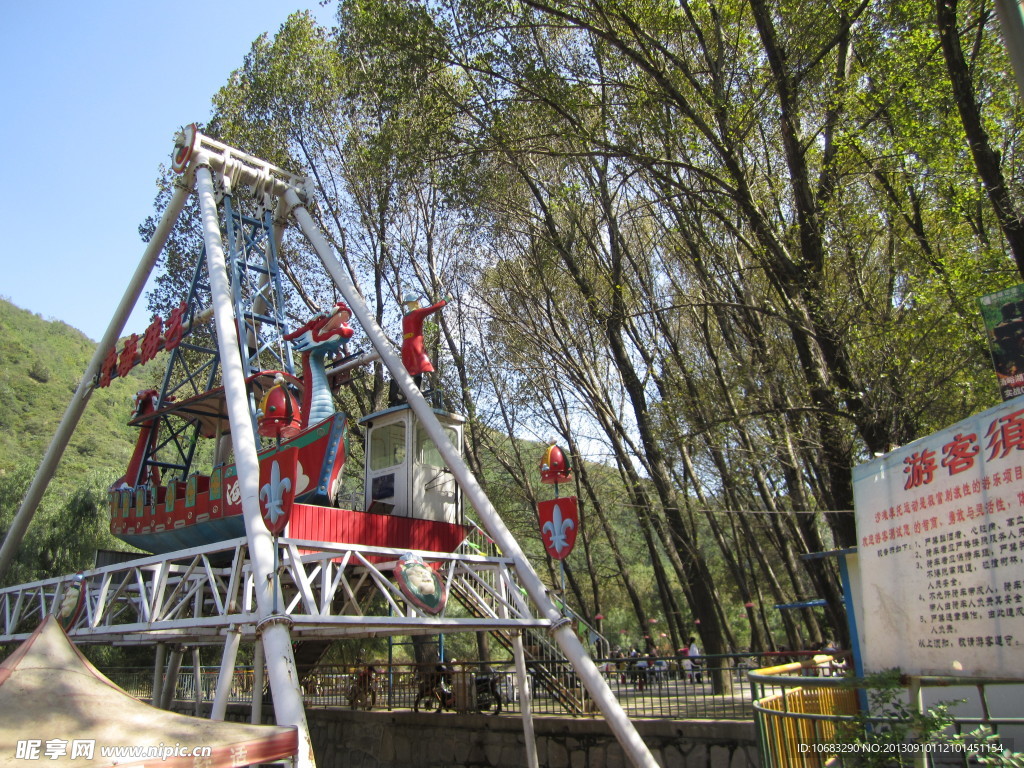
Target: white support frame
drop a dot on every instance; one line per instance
(186, 597)
(198, 595)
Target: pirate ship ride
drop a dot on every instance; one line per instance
(167, 500)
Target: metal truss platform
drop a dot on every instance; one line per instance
(326, 591)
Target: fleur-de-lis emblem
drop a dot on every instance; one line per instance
(558, 528)
(272, 495)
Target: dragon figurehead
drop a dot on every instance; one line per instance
(324, 335)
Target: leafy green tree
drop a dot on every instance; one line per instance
(728, 249)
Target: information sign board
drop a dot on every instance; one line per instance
(940, 526)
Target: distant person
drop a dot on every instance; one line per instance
(835, 665)
(634, 654)
(658, 669)
(686, 664)
(693, 656)
(620, 664)
(641, 668)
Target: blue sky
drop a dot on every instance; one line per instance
(92, 95)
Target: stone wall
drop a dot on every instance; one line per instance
(353, 739)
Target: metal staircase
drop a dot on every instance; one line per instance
(545, 661)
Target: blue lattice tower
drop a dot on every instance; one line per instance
(250, 231)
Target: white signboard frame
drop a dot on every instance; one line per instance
(940, 524)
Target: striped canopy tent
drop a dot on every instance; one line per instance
(56, 704)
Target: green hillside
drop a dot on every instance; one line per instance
(41, 363)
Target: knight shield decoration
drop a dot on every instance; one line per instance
(559, 521)
(420, 584)
(277, 489)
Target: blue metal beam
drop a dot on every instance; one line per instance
(805, 604)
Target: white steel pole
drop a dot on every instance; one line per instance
(158, 674)
(277, 646)
(632, 744)
(170, 689)
(227, 673)
(197, 679)
(525, 699)
(1011, 20)
(15, 534)
(256, 715)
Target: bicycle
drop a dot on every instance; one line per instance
(487, 693)
(434, 687)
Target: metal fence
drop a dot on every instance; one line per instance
(811, 714)
(800, 707)
(715, 687)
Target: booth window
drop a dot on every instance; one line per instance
(427, 453)
(387, 446)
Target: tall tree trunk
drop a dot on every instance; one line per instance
(986, 159)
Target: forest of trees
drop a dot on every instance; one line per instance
(722, 252)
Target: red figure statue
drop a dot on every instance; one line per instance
(414, 356)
